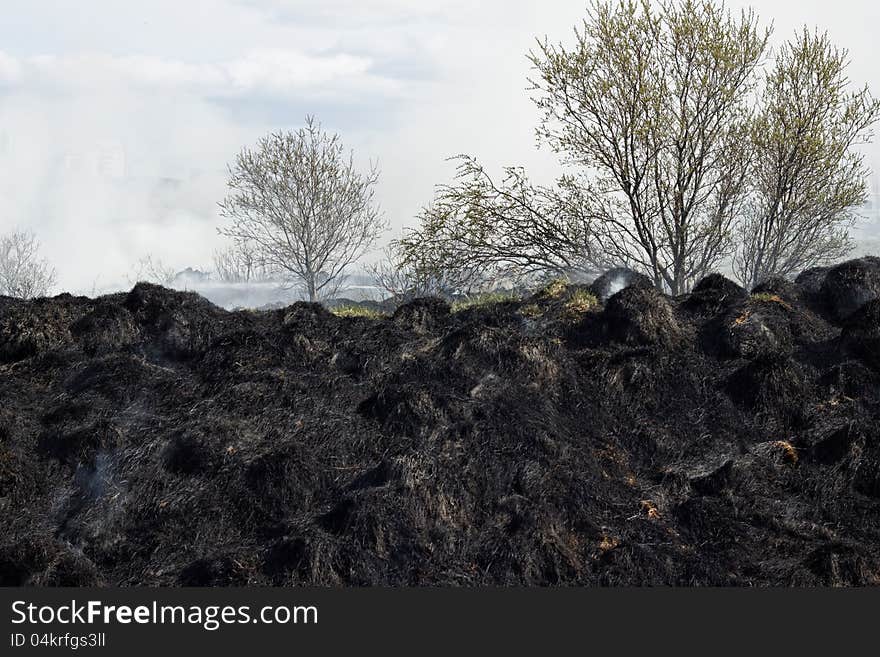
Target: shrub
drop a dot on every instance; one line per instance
(479, 300)
(357, 311)
(580, 301)
(554, 289)
(531, 310)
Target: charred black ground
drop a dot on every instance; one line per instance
(151, 438)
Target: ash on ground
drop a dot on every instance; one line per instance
(719, 438)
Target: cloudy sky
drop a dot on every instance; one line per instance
(117, 119)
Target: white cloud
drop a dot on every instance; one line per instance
(10, 69)
(281, 70)
(369, 12)
(265, 72)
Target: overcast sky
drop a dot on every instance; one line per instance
(117, 119)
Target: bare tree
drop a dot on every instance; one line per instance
(478, 229)
(23, 273)
(240, 263)
(303, 206)
(408, 272)
(807, 179)
(153, 270)
(652, 101)
(399, 280)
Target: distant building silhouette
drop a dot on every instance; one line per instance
(105, 159)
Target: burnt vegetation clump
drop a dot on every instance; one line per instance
(588, 436)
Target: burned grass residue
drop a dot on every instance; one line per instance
(585, 435)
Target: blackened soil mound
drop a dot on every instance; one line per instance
(721, 438)
(849, 286)
(810, 281)
(861, 334)
(713, 294)
(641, 316)
(422, 314)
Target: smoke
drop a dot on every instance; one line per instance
(114, 140)
(615, 285)
(111, 158)
(115, 135)
(614, 280)
(268, 295)
(100, 194)
(91, 482)
(95, 481)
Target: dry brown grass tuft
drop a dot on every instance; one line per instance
(789, 451)
(650, 509)
(766, 297)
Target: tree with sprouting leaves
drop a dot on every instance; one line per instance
(23, 273)
(653, 102)
(806, 176)
(303, 206)
(682, 155)
(480, 229)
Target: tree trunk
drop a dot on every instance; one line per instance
(311, 288)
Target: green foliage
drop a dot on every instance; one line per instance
(681, 155)
(652, 100)
(554, 289)
(478, 229)
(806, 175)
(485, 299)
(580, 301)
(357, 311)
(531, 310)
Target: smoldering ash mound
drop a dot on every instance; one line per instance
(722, 438)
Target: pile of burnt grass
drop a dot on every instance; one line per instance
(583, 435)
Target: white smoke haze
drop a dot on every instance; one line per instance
(117, 120)
(99, 194)
(616, 285)
(232, 296)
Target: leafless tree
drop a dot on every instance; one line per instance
(23, 273)
(152, 270)
(303, 206)
(806, 177)
(652, 101)
(406, 274)
(239, 263)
